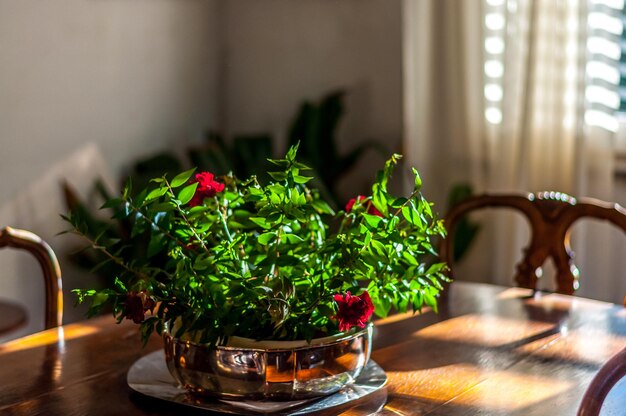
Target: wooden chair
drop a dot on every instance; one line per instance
(25, 240)
(550, 214)
(610, 373)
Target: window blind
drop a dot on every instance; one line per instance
(593, 31)
(603, 76)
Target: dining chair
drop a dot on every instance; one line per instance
(610, 373)
(550, 216)
(28, 241)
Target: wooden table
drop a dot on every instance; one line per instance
(490, 351)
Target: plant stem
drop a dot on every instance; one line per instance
(242, 263)
(153, 224)
(407, 201)
(184, 217)
(117, 260)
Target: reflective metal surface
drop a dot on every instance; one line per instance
(149, 376)
(277, 374)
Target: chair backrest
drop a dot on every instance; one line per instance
(610, 373)
(25, 240)
(550, 214)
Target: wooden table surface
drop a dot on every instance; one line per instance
(490, 351)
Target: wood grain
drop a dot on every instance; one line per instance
(490, 350)
(43, 253)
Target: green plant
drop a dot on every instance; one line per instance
(246, 155)
(466, 229)
(234, 257)
(314, 125)
(315, 128)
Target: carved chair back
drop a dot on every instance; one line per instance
(26, 240)
(550, 215)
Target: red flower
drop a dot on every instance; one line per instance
(371, 209)
(353, 310)
(137, 304)
(207, 188)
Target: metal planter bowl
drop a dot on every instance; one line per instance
(276, 370)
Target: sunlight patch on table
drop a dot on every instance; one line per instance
(475, 387)
(589, 347)
(514, 293)
(400, 317)
(507, 392)
(556, 301)
(438, 384)
(484, 330)
(51, 336)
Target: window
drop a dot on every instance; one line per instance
(589, 31)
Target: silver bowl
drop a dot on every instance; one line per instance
(274, 371)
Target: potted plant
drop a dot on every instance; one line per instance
(273, 287)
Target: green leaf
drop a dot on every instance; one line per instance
(185, 195)
(128, 186)
(403, 301)
(418, 301)
(202, 262)
(379, 247)
(418, 180)
(266, 238)
(182, 178)
(278, 176)
(119, 285)
(155, 245)
(398, 202)
(321, 207)
(291, 153)
(430, 300)
(379, 198)
(301, 179)
(83, 294)
(411, 215)
(99, 299)
(260, 221)
(156, 193)
(368, 238)
(372, 220)
(292, 238)
(382, 305)
(424, 208)
(163, 207)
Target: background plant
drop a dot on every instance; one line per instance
(314, 125)
(466, 229)
(261, 261)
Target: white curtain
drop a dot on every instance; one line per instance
(497, 94)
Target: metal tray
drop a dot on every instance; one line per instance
(150, 377)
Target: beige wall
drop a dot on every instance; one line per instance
(132, 76)
(86, 87)
(279, 52)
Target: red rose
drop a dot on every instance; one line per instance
(137, 304)
(353, 310)
(371, 209)
(207, 188)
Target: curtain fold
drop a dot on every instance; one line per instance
(495, 95)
